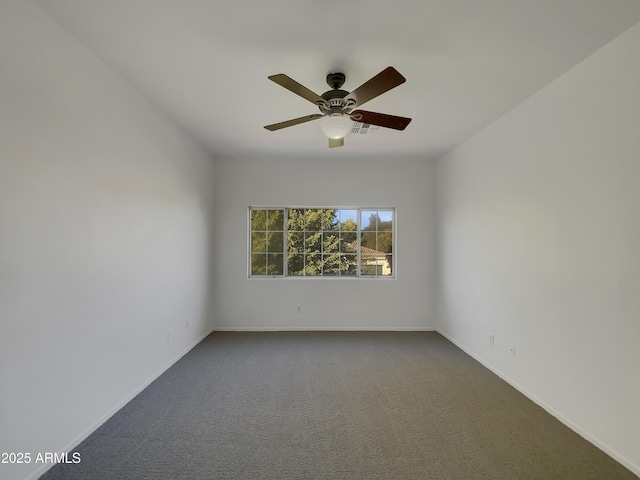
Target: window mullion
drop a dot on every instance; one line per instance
(358, 240)
(285, 266)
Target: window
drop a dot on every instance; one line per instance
(321, 242)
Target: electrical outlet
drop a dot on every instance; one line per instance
(491, 339)
(299, 308)
(186, 325)
(512, 349)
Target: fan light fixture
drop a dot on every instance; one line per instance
(336, 125)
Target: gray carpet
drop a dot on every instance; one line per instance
(334, 405)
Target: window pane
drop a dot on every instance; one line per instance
(385, 220)
(331, 264)
(275, 242)
(384, 216)
(295, 264)
(295, 242)
(385, 242)
(348, 219)
(258, 219)
(329, 219)
(386, 265)
(313, 219)
(313, 264)
(275, 264)
(385, 231)
(295, 219)
(369, 240)
(368, 269)
(368, 256)
(348, 265)
(330, 242)
(348, 242)
(258, 242)
(258, 264)
(313, 242)
(368, 220)
(275, 219)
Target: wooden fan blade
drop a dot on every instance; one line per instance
(336, 142)
(383, 82)
(291, 123)
(293, 86)
(380, 119)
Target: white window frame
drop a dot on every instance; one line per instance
(358, 274)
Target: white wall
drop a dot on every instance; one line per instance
(105, 214)
(332, 180)
(538, 240)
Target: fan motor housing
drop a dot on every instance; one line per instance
(334, 97)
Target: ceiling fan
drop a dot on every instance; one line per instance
(337, 106)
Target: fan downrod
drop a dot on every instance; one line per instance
(335, 80)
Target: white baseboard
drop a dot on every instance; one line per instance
(320, 329)
(72, 444)
(602, 446)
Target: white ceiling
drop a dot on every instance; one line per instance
(206, 62)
